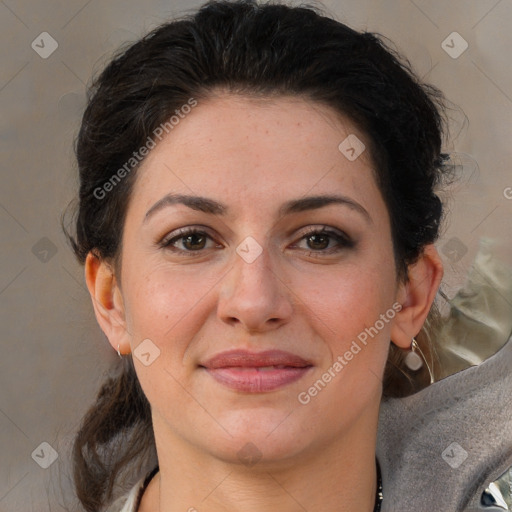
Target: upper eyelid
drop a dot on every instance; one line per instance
(323, 228)
(178, 232)
(206, 230)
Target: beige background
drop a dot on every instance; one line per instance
(53, 355)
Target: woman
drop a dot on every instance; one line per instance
(257, 218)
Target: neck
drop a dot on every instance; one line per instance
(338, 477)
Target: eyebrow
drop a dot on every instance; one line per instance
(206, 205)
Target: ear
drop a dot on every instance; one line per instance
(107, 302)
(416, 296)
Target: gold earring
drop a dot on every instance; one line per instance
(118, 351)
(415, 358)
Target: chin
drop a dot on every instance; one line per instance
(258, 453)
(259, 436)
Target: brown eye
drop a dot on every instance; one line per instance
(194, 241)
(318, 242)
(188, 240)
(324, 241)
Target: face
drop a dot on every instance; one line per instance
(286, 263)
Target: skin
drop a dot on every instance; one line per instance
(298, 295)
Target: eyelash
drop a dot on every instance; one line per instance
(343, 241)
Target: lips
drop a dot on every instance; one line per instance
(256, 372)
(246, 359)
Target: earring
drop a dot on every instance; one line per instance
(118, 351)
(414, 361)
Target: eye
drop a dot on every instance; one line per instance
(188, 240)
(326, 241)
(318, 240)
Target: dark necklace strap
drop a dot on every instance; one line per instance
(378, 496)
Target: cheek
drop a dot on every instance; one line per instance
(347, 301)
(352, 313)
(165, 305)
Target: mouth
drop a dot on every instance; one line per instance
(259, 372)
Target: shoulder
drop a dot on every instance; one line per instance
(127, 502)
(130, 501)
(441, 448)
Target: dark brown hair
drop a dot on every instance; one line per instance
(246, 48)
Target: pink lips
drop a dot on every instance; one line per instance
(256, 372)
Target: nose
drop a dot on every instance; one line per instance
(253, 297)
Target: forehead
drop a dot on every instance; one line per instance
(239, 149)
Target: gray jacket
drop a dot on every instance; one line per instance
(439, 449)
